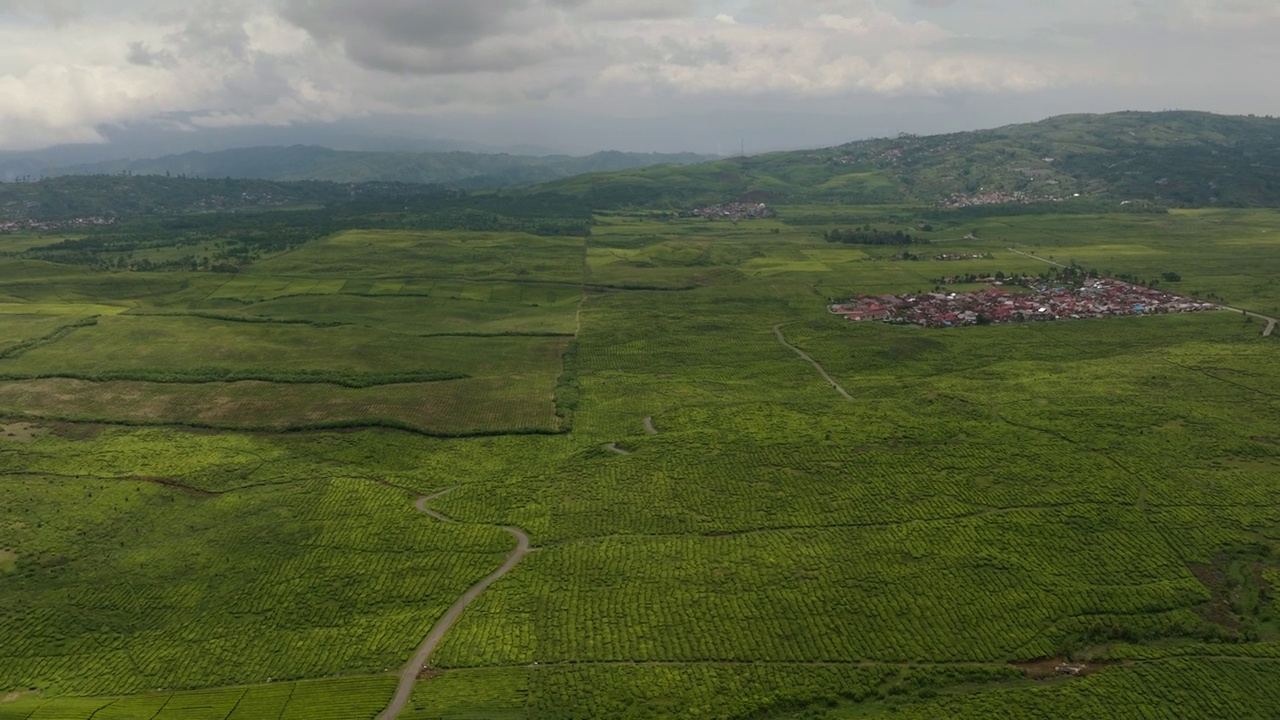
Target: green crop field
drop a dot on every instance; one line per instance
(741, 506)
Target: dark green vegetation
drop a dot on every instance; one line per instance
(458, 169)
(721, 533)
(1175, 159)
(222, 225)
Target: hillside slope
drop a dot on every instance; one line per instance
(300, 162)
(1169, 158)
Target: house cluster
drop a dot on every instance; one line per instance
(1095, 298)
(891, 156)
(43, 225)
(220, 202)
(962, 256)
(732, 211)
(962, 200)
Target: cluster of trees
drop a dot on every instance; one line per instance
(1071, 275)
(867, 235)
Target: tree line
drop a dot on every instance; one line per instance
(867, 235)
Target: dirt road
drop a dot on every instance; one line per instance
(409, 675)
(1271, 322)
(777, 330)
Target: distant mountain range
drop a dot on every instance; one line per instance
(304, 162)
(1073, 162)
(1176, 159)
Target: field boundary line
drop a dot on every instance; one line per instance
(777, 330)
(776, 663)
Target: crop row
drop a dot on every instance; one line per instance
(980, 589)
(638, 692)
(1174, 690)
(142, 586)
(475, 405)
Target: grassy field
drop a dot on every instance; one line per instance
(721, 533)
(428, 353)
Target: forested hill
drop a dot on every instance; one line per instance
(457, 169)
(104, 204)
(103, 196)
(1174, 159)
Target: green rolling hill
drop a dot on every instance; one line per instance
(303, 162)
(1169, 158)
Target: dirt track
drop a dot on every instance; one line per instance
(1271, 322)
(409, 675)
(777, 330)
(648, 426)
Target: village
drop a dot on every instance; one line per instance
(7, 226)
(732, 211)
(1032, 301)
(963, 200)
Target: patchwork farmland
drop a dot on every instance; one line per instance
(254, 495)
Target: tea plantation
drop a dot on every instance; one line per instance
(252, 495)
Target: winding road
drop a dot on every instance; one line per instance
(409, 675)
(777, 330)
(1266, 331)
(1271, 322)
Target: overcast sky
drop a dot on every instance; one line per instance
(661, 75)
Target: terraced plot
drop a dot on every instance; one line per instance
(198, 371)
(125, 586)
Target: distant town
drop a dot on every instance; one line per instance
(962, 200)
(45, 225)
(1030, 300)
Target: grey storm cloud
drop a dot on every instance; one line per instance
(448, 36)
(72, 67)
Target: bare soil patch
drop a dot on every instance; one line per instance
(1060, 667)
(1218, 609)
(76, 431)
(22, 432)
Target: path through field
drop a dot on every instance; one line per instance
(1266, 331)
(1036, 257)
(648, 426)
(1271, 322)
(777, 330)
(409, 675)
(613, 448)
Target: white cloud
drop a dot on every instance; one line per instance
(68, 67)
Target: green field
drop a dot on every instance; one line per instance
(720, 533)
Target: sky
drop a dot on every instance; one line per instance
(644, 75)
